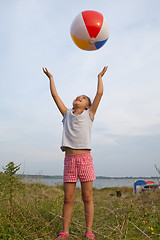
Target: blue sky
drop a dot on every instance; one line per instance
(126, 130)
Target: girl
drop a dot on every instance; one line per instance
(78, 161)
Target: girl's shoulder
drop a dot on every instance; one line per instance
(66, 113)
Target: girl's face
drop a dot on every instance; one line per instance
(81, 102)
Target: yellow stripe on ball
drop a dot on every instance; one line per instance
(80, 43)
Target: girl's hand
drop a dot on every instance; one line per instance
(103, 72)
(49, 75)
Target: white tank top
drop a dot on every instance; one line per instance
(76, 130)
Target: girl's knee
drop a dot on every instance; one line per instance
(68, 198)
(87, 196)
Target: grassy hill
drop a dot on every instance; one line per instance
(33, 211)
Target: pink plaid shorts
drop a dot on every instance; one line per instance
(78, 166)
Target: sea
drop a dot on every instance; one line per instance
(99, 182)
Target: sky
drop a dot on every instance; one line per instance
(126, 128)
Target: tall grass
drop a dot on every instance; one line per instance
(37, 208)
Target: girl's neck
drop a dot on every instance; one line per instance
(77, 111)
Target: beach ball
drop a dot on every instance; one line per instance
(89, 30)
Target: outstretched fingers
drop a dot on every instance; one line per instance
(45, 70)
(104, 70)
(49, 75)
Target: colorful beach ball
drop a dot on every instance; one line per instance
(89, 30)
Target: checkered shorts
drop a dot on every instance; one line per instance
(78, 166)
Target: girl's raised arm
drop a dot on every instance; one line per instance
(99, 93)
(62, 108)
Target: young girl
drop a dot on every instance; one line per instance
(78, 163)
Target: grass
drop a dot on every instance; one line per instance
(37, 208)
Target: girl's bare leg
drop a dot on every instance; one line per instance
(69, 193)
(88, 204)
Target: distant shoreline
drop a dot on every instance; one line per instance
(61, 177)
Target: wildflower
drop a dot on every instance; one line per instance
(144, 222)
(151, 228)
